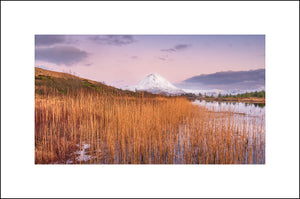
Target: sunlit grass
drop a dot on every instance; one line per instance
(140, 130)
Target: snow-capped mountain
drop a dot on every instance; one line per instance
(155, 83)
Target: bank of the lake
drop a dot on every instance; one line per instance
(254, 100)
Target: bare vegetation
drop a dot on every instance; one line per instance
(87, 126)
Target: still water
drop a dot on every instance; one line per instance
(237, 107)
(246, 116)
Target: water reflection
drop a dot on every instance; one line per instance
(260, 105)
(250, 109)
(247, 116)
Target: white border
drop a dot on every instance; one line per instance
(277, 20)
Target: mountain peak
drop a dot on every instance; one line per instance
(153, 75)
(155, 83)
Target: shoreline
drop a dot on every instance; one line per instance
(254, 100)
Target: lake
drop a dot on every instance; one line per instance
(246, 116)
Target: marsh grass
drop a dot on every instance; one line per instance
(122, 129)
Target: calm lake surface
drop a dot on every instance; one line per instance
(237, 107)
(245, 115)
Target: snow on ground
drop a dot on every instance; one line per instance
(83, 156)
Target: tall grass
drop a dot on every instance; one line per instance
(140, 130)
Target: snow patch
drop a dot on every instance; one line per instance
(83, 156)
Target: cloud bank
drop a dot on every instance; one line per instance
(48, 40)
(59, 55)
(229, 77)
(227, 80)
(116, 40)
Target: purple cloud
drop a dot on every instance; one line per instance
(48, 40)
(66, 55)
(176, 48)
(117, 40)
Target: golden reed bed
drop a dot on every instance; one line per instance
(140, 130)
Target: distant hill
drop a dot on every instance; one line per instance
(48, 82)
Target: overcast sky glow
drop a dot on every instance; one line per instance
(121, 60)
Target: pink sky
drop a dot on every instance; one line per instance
(121, 60)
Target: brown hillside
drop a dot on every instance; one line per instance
(49, 82)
